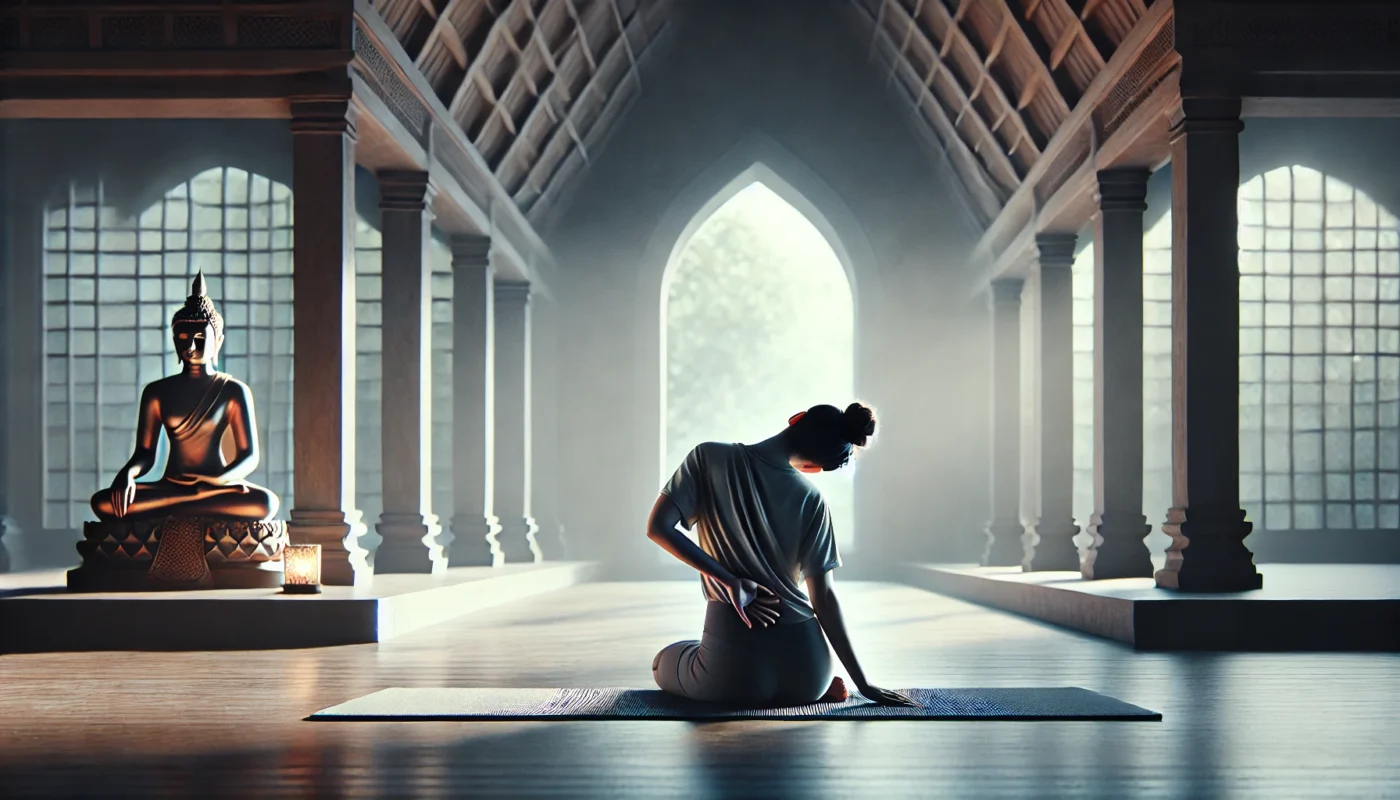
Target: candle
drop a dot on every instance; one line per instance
(302, 569)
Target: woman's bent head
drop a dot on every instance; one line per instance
(823, 438)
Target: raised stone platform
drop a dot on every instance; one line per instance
(1327, 607)
(39, 614)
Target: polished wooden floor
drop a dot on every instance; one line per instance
(230, 724)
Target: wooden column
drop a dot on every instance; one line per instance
(323, 253)
(1004, 530)
(408, 526)
(474, 524)
(1205, 523)
(1118, 526)
(1049, 543)
(544, 409)
(518, 527)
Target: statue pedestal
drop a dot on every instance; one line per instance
(117, 555)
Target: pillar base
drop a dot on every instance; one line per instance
(6, 526)
(1003, 548)
(410, 545)
(1049, 547)
(518, 541)
(475, 541)
(1118, 549)
(343, 561)
(1207, 553)
(550, 538)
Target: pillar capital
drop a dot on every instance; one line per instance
(513, 293)
(404, 190)
(470, 251)
(1122, 189)
(1006, 292)
(1055, 250)
(1218, 114)
(328, 115)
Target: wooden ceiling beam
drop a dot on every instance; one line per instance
(1082, 33)
(1000, 237)
(1042, 80)
(547, 99)
(622, 32)
(474, 68)
(951, 136)
(603, 97)
(984, 81)
(984, 183)
(546, 105)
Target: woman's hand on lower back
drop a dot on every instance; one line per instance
(886, 697)
(754, 602)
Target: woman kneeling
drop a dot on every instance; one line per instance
(762, 528)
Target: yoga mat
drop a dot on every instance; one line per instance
(1066, 703)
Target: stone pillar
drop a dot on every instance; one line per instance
(1118, 526)
(22, 304)
(408, 526)
(323, 257)
(513, 423)
(474, 524)
(1004, 530)
(1205, 523)
(544, 408)
(1049, 542)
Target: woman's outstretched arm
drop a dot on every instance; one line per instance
(748, 597)
(822, 593)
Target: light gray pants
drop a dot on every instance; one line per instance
(775, 666)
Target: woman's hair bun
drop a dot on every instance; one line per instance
(858, 424)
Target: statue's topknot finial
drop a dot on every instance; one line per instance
(199, 308)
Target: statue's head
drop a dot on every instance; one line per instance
(197, 328)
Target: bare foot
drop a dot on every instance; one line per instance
(836, 692)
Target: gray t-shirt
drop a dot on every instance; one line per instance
(761, 520)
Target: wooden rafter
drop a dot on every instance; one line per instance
(1006, 30)
(980, 188)
(622, 28)
(998, 157)
(544, 104)
(563, 172)
(1042, 81)
(602, 96)
(1008, 232)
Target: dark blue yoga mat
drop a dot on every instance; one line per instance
(1061, 703)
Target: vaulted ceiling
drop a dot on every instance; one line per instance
(537, 84)
(993, 80)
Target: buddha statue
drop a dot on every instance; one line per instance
(197, 407)
(203, 504)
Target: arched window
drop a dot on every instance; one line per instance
(111, 285)
(759, 324)
(1319, 357)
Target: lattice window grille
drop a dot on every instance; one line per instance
(111, 285)
(1319, 354)
(1319, 358)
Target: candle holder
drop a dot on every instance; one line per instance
(302, 569)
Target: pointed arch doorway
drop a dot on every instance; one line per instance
(758, 322)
